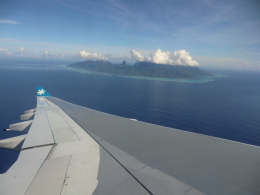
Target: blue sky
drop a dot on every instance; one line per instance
(214, 32)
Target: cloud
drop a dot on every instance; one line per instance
(19, 52)
(180, 57)
(92, 56)
(136, 55)
(66, 49)
(21, 49)
(48, 55)
(5, 52)
(9, 22)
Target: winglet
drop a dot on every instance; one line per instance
(41, 92)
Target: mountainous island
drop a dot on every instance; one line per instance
(143, 69)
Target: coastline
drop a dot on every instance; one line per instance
(194, 80)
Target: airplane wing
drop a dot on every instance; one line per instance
(69, 149)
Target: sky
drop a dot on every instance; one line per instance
(213, 33)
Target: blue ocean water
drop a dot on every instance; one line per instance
(227, 107)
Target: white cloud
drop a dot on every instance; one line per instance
(21, 49)
(247, 63)
(4, 52)
(92, 56)
(19, 52)
(180, 57)
(183, 58)
(9, 22)
(48, 55)
(136, 55)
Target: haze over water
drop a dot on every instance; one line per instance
(227, 107)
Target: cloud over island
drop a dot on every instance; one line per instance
(180, 57)
(92, 56)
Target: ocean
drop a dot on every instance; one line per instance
(226, 107)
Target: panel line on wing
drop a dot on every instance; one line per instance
(66, 122)
(45, 182)
(129, 172)
(60, 127)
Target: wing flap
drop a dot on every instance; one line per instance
(46, 182)
(18, 178)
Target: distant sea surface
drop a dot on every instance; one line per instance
(228, 107)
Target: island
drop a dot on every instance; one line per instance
(142, 69)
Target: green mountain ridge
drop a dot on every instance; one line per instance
(144, 69)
